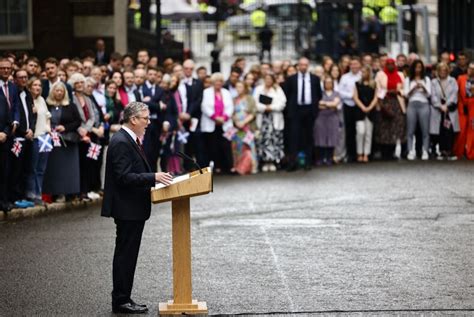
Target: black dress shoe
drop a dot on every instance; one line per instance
(139, 305)
(291, 168)
(129, 308)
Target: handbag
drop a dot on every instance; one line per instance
(71, 136)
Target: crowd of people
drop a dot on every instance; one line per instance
(57, 116)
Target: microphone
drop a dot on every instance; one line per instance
(189, 159)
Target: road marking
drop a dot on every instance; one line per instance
(279, 270)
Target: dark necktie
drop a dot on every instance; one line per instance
(7, 95)
(140, 146)
(303, 101)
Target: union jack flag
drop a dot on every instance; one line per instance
(56, 139)
(249, 137)
(94, 151)
(229, 134)
(16, 149)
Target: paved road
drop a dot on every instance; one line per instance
(380, 239)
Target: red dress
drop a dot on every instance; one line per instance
(464, 142)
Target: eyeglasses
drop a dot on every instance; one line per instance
(146, 118)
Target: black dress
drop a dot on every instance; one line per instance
(366, 95)
(62, 175)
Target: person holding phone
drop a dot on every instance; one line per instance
(417, 90)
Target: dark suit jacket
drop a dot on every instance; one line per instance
(5, 116)
(291, 90)
(45, 89)
(14, 101)
(154, 103)
(128, 179)
(195, 98)
(21, 130)
(104, 59)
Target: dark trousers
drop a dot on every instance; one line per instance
(218, 149)
(4, 162)
(89, 169)
(194, 149)
(19, 169)
(127, 246)
(152, 144)
(350, 118)
(301, 135)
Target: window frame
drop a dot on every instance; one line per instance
(24, 41)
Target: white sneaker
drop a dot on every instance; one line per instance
(265, 168)
(272, 168)
(93, 195)
(411, 155)
(425, 156)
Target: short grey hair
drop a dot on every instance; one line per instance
(133, 109)
(75, 78)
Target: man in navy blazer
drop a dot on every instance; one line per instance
(9, 122)
(303, 92)
(51, 66)
(128, 179)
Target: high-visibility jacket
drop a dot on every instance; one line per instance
(258, 18)
(388, 15)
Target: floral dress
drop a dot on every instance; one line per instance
(243, 142)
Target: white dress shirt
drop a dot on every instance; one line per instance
(306, 79)
(130, 93)
(183, 93)
(25, 108)
(131, 133)
(346, 87)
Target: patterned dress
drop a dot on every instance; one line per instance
(391, 125)
(270, 144)
(243, 143)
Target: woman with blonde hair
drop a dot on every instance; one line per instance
(243, 144)
(39, 157)
(62, 173)
(366, 100)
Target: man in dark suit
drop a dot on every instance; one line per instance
(153, 95)
(303, 95)
(6, 121)
(194, 88)
(51, 66)
(20, 166)
(101, 56)
(128, 179)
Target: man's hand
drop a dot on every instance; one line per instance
(184, 116)
(164, 178)
(3, 137)
(60, 128)
(146, 99)
(29, 134)
(82, 132)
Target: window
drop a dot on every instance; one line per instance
(15, 24)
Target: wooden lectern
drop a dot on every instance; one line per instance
(179, 193)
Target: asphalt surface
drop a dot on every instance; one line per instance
(380, 239)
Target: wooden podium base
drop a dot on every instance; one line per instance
(195, 308)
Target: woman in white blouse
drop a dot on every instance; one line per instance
(39, 156)
(216, 124)
(271, 101)
(417, 90)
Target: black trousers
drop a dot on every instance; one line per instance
(218, 149)
(301, 134)
(350, 118)
(4, 168)
(127, 246)
(19, 169)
